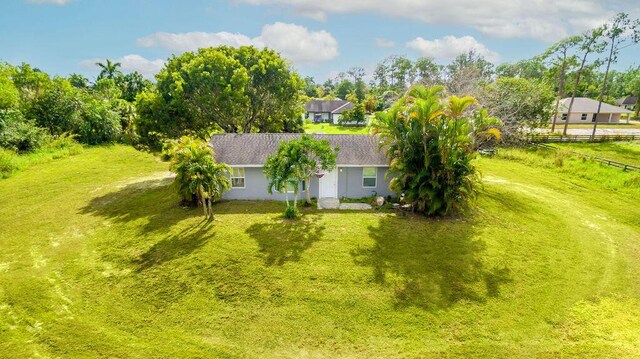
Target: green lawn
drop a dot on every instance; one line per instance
(625, 152)
(331, 129)
(97, 259)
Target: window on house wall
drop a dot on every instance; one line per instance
(369, 177)
(593, 118)
(583, 117)
(564, 117)
(290, 187)
(237, 177)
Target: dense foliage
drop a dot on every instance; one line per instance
(199, 179)
(519, 102)
(36, 109)
(429, 141)
(222, 89)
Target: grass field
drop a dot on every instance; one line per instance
(331, 129)
(97, 259)
(624, 152)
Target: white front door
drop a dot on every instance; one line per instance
(328, 185)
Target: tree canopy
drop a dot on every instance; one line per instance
(223, 89)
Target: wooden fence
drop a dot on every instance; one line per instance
(545, 138)
(624, 166)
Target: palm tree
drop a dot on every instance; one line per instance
(109, 70)
(199, 179)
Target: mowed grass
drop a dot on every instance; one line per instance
(331, 129)
(97, 259)
(624, 152)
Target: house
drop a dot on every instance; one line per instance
(360, 172)
(628, 103)
(584, 110)
(326, 110)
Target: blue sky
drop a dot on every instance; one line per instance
(321, 38)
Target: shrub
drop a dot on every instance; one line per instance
(100, 124)
(291, 213)
(58, 109)
(18, 134)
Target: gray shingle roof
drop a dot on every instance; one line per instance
(253, 148)
(631, 100)
(587, 105)
(330, 106)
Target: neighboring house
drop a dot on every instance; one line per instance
(628, 103)
(326, 110)
(584, 110)
(360, 171)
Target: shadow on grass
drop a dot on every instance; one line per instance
(283, 240)
(154, 200)
(431, 264)
(175, 246)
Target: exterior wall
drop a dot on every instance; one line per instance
(325, 116)
(350, 183)
(336, 118)
(602, 118)
(256, 188)
(349, 186)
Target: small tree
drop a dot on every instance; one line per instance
(296, 161)
(199, 179)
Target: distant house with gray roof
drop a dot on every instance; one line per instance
(360, 172)
(584, 110)
(628, 103)
(326, 110)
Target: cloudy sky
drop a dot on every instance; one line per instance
(319, 37)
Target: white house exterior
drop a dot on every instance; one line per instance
(361, 169)
(584, 110)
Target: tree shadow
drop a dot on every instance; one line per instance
(431, 264)
(175, 246)
(154, 200)
(282, 240)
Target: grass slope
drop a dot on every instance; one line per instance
(331, 129)
(97, 259)
(625, 152)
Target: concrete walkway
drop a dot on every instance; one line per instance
(334, 203)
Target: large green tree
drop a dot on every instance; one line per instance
(223, 89)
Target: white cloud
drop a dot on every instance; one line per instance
(54, 2)
(130, 63)
(540, 19)
(449, 47)
(384, 43)
(294, 42)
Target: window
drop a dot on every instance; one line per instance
(564, 117)
(369, 177)
(593, 118)
(290, 187)
(583, 117)
(237, 177)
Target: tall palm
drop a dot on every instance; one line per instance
(109, 70)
